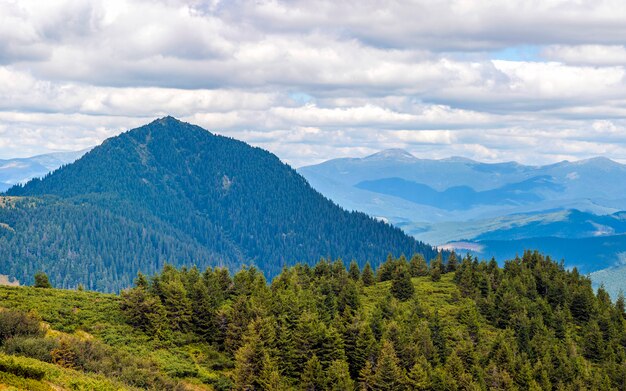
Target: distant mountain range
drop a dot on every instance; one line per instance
(21, 170)
(171, 192)
(572, 210)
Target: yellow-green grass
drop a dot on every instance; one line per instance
(55, 377)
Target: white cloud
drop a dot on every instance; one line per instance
(596, 55)
(366, 75)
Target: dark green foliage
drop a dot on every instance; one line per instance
(401, 285)
(354, 271)
(173, 192)
(316, 328)
(313, 377)
(418, 266)
(386, 269)
(339, 377)
(389, 376)
(41, 280)
(368, 277)
(452, 263)
(18, 324)
(35, 347)
(436, 268)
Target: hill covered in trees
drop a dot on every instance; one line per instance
(456, 324)
(173, 192)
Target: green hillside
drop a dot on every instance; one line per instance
(455, 325)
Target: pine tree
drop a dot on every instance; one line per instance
(389, 376)
(401, 286)
(593, 342)
(42, 281)
(418, 266)
(423, 341)
(177, 304)
(249, 360)
(145, 311)
(419, 376)
(354, 271)
(385, 270)
(313, 378)
(368, 277)
(452, 264)
(436, 269)
(339, 377)
(438, 337)
(365, 350)
(367, 378)
(620, 304)
(141, 281)
(270, 378)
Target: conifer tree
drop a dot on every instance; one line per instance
(401, 286)
(367, 378)
(313, 378)
(419, 376)
(423, 341)
(593, 342)
(177, 304)
(145, 311)
(270, 378)
(438, 337)
(620, 304)
(436, 268)
(368, 277)
(42, 281)
(452, 263)
(354, 271)
(249, 360)
(389, 376)
(365, 350)
(339, 377)
(385, 270)
(418, 266)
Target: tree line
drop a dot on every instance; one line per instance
(529, 325)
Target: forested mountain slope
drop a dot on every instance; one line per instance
(451, 325)
(173, 192)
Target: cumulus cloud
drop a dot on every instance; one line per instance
(595, 55)
(315, 80)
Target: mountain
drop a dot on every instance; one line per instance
(381, 184)
(571, 210)
(21, 170)
(611, 278)
(173, 192)
(461, 197)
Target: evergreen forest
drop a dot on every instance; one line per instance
(449, 323)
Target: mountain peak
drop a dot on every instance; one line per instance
(179, 193)
(601, 160)
(392, 154)
(167, 120)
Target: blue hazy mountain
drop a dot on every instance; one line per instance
(571, 210)
(401, 188)
(463, 197)
(172, 192)
(21, 170)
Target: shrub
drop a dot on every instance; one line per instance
(34, 347)
(18, 324)
(42, 281)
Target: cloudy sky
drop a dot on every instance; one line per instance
(536, 81)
